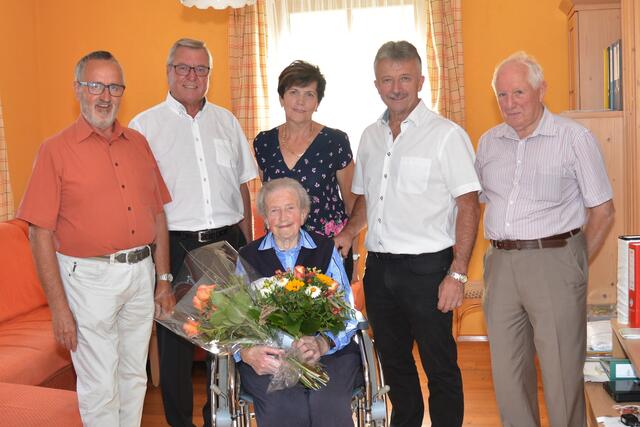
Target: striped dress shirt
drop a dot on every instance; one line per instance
(541, 185)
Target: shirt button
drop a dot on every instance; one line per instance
(207, 201)
(385, 175)
(379, 219)
(133, 231)
(508, 224)
(381, 197)
(122, 186)
(129, 208)
(389, 154)
(510, 202)
(116, 163)
(204, 179)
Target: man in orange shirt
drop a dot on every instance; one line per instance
(95, 207)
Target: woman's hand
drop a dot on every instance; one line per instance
(311, 348)
(263, 359)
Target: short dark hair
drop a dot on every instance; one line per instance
(301, 73)
(95, 55)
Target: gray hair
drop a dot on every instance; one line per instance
(534, 70)
(397, 51)
(191, 44)
(274, 185)
(101, 55)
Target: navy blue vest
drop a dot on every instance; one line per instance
(266, 262)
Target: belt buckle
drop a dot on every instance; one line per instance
(132, 257)
(202, 237)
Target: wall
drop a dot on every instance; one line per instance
(36, 75)
(492, 30)
(19, 88)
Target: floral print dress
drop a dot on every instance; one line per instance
(316, 170)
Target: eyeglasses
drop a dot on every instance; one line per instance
(96, 88)
(184, 70)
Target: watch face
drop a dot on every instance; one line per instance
(462, 278)
(167, 276)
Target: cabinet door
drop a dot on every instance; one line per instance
(607, 128)
(574, 64)
(597, 29)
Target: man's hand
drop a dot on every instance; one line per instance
(164, 299)
(450, 294)
(343, 242)
(311, 348)
(64, 328)
(263, 359)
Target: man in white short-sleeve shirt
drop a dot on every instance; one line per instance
(206, 163)
(415, 171)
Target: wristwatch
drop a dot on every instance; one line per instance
(462, 278)
(167, 277)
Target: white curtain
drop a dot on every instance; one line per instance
(342, 38)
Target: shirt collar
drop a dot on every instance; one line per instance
(178, 108)
(417, 116)
(83, 130)
(546, 127)
(305, 241)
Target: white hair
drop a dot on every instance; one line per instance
(534, 70)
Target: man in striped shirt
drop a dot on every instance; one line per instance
(548, 209)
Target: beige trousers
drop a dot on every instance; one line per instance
(535, 302)
(113, 307)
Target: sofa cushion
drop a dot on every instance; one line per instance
(24, 405)
(29, 353)
(19, 284)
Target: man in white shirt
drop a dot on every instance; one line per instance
(418, 189)
(206, 162)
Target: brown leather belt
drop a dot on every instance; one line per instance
(557, 241)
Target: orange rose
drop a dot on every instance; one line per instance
(191, 328)
(197, 303)
(299, 272)
(204, 292)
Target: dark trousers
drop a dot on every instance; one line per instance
(176, 353)
(299, 407)
(401, 295)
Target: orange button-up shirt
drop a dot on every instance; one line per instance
(97, 196)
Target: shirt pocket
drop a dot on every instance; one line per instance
(547, 184)
(413, 176)
(226, 154)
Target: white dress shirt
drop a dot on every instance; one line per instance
(410, 184)
(203, 161)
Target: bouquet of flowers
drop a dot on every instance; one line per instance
(224, 306)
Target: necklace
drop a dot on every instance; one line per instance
(284, 135)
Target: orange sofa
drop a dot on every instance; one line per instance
(29, 353)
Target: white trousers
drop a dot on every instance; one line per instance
(113, 308)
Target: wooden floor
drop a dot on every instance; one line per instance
(480, 405)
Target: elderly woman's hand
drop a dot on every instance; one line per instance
(311, 348)
(263, 359)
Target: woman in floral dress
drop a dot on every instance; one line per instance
(315, 155)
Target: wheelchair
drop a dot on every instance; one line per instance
(231, 406)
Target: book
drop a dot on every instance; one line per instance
(630, 333)
(634, 284)
(605, 81)
(623, 277)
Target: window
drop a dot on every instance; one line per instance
(342, 38)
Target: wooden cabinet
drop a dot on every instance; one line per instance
(607, 126)
(593, 25)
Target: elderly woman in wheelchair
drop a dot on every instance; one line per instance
(284, 205)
